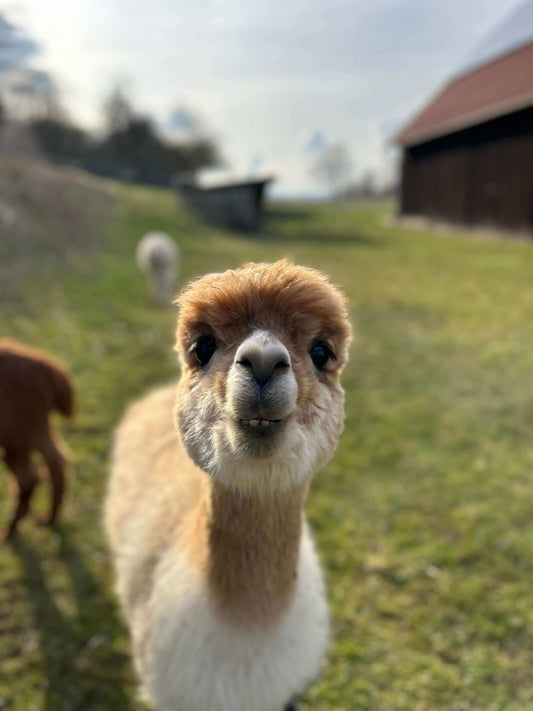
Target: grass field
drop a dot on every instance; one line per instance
(423, 519)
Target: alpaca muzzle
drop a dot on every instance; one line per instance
(262, 388)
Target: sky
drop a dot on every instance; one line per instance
(274, 81)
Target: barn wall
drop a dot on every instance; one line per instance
(479, 176)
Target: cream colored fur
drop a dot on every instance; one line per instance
(158, 257)
(216, 569)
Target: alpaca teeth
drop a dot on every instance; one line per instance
(256, 423)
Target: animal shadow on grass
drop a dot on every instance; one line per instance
(84, 672)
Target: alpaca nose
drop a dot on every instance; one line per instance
(263, 356)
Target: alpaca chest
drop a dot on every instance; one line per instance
(191, 660)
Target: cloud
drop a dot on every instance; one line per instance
(263, 74)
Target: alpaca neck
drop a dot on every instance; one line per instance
(253, 544)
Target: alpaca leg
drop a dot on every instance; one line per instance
(55, 462)
(168, 284)
(19, 462)
(160, 289)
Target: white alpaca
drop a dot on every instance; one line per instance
(216, 569)
(158, 257)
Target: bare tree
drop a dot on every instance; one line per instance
(333, 167)
(15, 46)
(17, 81)
(118, 112)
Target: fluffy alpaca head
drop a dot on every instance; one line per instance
(260, 406)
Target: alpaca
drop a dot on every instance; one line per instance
(158, 257)
(32, 384)
(216, 569)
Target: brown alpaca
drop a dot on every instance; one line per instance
(32, 384)
(216, 568)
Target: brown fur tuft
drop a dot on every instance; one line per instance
(62, 388)
(266, 296)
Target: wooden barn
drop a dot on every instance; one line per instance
(468, 155)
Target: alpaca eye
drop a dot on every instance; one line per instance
(204, 348)
(320, 353)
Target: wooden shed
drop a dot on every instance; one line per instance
(468, 155)
(237, 205)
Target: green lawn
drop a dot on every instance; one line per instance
(424, 518)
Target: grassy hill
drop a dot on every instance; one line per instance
(423, 519)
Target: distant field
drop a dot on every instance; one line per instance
(423, 520)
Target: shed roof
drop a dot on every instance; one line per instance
(503, 85)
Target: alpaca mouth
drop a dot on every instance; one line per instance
(260, 426)
(259, 422)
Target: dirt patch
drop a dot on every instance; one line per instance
(426, 224)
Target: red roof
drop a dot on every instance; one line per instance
(497, 88)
